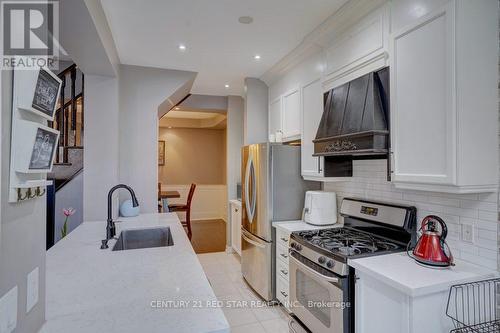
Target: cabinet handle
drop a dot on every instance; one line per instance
(319, 165)
(283, 255)
(284, 239)
(284, 293)
(284, 272)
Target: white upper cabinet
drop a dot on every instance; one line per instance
(291, 115)
(285, 117)
(312, 110)
(444, 117)
(359, 50)
(275, 124)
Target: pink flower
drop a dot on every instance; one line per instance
(68, 211)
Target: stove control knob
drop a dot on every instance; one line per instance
(298, 247)
(321, 260)
(292, 245)
(330, 264)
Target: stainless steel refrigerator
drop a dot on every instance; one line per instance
(272, 190)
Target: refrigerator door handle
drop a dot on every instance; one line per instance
(254, 243)
(250, 197)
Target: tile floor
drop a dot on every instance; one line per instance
(224, 273)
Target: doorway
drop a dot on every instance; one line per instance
(192, 150)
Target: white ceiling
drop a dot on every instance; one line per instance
(219, 48)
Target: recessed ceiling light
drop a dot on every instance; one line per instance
(182, 47)
(256, 57)
(177, 108)
(226, 86)
(169, 126)
(245, 19)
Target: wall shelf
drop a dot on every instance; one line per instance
(33, 143)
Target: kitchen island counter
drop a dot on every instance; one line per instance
(161, 289)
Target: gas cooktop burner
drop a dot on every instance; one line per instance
(347, 242)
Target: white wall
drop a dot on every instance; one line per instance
(101, 156)
(209, 201)
(193, 155)
(85, 35)
(23, 225)
(69, 196)
(234, 141)
(256, 114)
(142, 90)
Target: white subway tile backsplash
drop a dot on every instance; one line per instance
(480, 210)
(481, 205)
(488, 216)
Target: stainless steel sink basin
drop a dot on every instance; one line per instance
(143, 238)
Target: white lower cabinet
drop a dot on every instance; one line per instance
(444, 104)
(282, 280)
(380, 308)
(236, 225)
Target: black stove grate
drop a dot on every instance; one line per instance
(347, 242)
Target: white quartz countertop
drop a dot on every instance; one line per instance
(298, 225)
(150, 290)
(403, 273)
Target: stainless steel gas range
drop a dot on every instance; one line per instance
(321, 282)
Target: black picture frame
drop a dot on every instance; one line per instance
(43, 150)
(46, 93)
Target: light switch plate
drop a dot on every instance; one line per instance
(32, 289)
(468, 233)
(8, 311)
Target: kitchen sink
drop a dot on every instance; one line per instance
(143, 238)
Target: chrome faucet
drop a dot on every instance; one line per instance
(110, 226)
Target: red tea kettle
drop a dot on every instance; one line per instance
(431, 248)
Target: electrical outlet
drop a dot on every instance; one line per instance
(468, 233)
(8, 311)
(32, 289)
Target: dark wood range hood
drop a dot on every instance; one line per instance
(355, 122)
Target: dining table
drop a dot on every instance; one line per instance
(165, 195)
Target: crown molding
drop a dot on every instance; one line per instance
(322, 36)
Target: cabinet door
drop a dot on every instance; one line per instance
(291, 115)
(275, 117)
(236, 228)
(312, 110)
(423, 114)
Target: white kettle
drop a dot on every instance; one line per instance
(320, 208)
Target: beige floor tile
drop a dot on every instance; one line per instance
(267, 313)
(275, 326)
(251, 328)
(239, 316)
(224, 273)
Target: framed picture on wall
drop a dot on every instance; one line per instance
(161, 152)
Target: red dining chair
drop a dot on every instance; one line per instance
(185, 208)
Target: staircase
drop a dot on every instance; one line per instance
(69, 121)
(67, 177)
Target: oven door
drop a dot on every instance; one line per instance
(316, 296)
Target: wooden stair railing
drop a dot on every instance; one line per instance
(68, 118)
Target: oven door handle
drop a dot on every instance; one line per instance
(313, 272)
